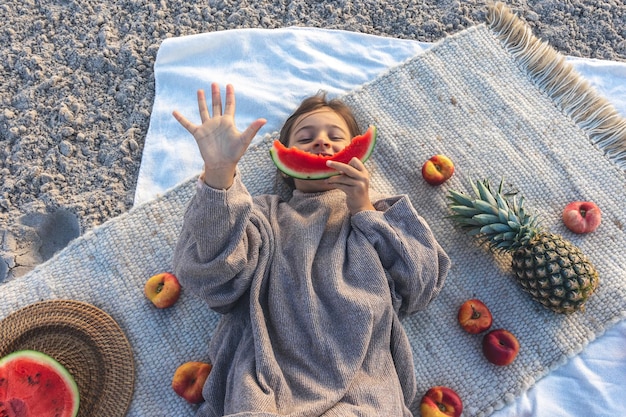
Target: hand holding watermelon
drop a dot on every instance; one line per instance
(354, 180)
(220, 143)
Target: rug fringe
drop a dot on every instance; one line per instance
(556, 77)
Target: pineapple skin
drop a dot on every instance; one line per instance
(555, 272)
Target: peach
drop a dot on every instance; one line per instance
(441, 401)
(582, 216)
(438, 169)
(162, 289)
(474, 316)
(188, 380)
(500, 347)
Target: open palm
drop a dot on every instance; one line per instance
(220, 143)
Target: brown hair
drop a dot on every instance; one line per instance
(316, 102)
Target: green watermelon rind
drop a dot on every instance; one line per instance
(52, 363)
(326, 173)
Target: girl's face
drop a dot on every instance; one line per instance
(320, 132)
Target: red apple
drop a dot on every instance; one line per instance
(500, 347)
(162, 289)
(582, 216)
(441, 402)
(188, 380)
(437, 170)
(474, 316)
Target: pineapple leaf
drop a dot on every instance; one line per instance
(499, 240)
(514, 225)
(514, 204)
(484, 192)
(503, 246)
(503, 215)
(485, 207)
(500, 187)
(474, 232)
(502, 202)
(460, 198)
(513, 217)
(495, 228)
(486, 219)
(466, 221)
(465, 211)
(509, 237)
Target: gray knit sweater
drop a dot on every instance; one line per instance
(311, 299)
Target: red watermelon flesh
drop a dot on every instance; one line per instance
(304, 165)
(33, 384)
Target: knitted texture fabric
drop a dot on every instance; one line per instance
(497, 102)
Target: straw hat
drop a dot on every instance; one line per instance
(86, 341)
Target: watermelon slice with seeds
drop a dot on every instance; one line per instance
(307, 166)
(33, 384)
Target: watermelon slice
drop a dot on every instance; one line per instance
(33, 384)
(307, 166)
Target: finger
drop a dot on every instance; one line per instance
(341, 181)
(350, 186)
(202, 107)
(357, 164)
(343, 168)
(183, 121)
(230, 100)
(216, 99)
(252, 130)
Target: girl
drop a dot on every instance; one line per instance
(312, 289)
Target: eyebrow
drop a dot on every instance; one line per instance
(312, 127)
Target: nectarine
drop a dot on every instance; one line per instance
(162, 289)
(438, 169)
(441, 401)
(474, 316)
(188, 380)
(500, 347)
(582, 216)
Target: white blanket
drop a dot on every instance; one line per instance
(272, 70)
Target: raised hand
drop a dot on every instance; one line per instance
(353, 180)
(220, 143)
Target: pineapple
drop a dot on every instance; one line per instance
(551, 269)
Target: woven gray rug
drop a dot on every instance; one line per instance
(495, 100)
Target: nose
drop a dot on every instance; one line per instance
(321, 140)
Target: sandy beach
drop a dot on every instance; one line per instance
(78, 86)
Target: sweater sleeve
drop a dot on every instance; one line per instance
(415, 263)
(219, 245)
